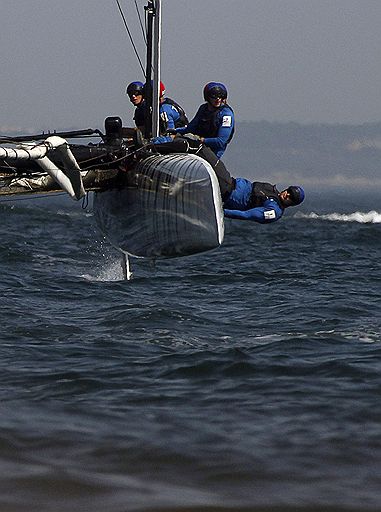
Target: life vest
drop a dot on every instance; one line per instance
(139, 115)
(182, 120)
(208, 125)
(262, 191)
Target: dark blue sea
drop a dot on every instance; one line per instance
(243, 379)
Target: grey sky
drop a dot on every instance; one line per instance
(65, 63)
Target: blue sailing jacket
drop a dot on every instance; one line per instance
(169, 116)
(237, 205)
(217, 127)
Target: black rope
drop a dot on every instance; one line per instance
(85, 201)
(141, 23)
(130, 36)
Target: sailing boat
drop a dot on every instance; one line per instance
(147, 205)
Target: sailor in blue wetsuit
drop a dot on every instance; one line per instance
(242, 199)
(172, 115)
(213, 124)
(214, 120)
(135, 92)
(259, 201)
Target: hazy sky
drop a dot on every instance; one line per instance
(66, 63)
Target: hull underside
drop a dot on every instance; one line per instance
(168, 206)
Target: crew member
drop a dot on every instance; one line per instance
(135, 92)
(214, 120)
(172, 115)
(260, 202)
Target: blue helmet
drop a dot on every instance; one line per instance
(135, 88)
(296, 194)
(215, 89)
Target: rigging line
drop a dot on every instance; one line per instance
(130, 36)
(141, 23)
(85, 201)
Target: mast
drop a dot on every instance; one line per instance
(153, 9)
(156, 71)
(148, 89)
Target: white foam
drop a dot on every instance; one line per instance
(111, 271)
(371, 217)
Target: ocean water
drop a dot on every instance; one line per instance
(247, 378)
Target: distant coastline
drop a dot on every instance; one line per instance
(337, 155)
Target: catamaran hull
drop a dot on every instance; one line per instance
(168, 206)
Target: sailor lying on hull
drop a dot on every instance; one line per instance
(242, 199)
(259, 201)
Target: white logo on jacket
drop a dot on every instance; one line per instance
(269, 214)
(227, 121)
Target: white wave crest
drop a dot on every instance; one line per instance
(371, 217)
